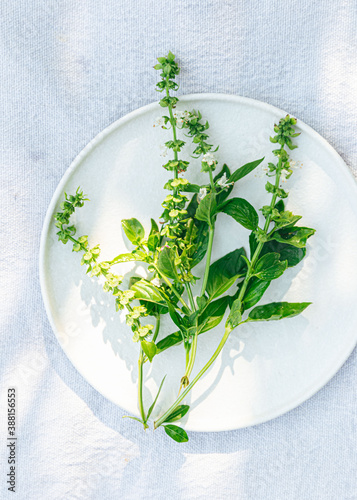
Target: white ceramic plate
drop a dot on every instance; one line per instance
(265, 369)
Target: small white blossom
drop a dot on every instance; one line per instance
(181, 117)
(159, 122)
(222, 182)
(202, 194)
(209, 158)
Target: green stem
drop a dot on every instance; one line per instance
(208, 261)
(140, 388)
(162, 419)
(173, 125)
(172, 288)
(190, 296)
(157, 328)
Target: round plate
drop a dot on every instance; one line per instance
(265, 369)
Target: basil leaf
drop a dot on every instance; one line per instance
(149, 348)
(201, 243)
(224, 287)
(145, 290)
(206, 209)
(191, 188)
(169, 341)
(287, 252)
(166, 263)
(295, 236)
(154, 236)
(253, 243)
(241, 211)
(244, 170)
(277, 310)
(133, 230)
(285, 218)
(176, 433)
(128, 257)
(235, 315)
(178, 413)
(213, 314)
(225, 268)
(255, 291)
(269, 267)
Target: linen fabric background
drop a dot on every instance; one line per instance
(69, 69)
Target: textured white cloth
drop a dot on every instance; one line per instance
(69, 69)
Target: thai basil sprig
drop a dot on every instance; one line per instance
(185, 239)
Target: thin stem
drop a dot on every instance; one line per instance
(157, 328)
(162, 419)
(208, 261)
(172, 288)
(140, 387)
(211, 180)
(190, 296)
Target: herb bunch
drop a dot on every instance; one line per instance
(184, 237)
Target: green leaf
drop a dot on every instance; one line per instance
(133, 230)
(178, 413)
(212, 314)
(176, 433)
(224, 287)
(155, 400)
(149, 348)
(225, 268)
(285, 218)
(128, 257)
(295, 236)
(289, 253)
(269, 267)
(191, 188)
(169, 341)
(277, 310)
(166, 263)
(207, 209)
(200, 242)
(245, 170)
(241, 211)
(147, 291)
(255, 291)
(235, 316)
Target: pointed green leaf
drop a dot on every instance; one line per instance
(291, 254)
(241, 211)
(169, 341)
(147, 291)
(166, 263)
(255, 291)
(244, 170)
(225, 268)
(178, 413)
(213, 314)
(207, 209)
(277, 310)
(128, 257)
(269, 267)
(295, 236)
(133, 230)
(149, 348)
(176, 433)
